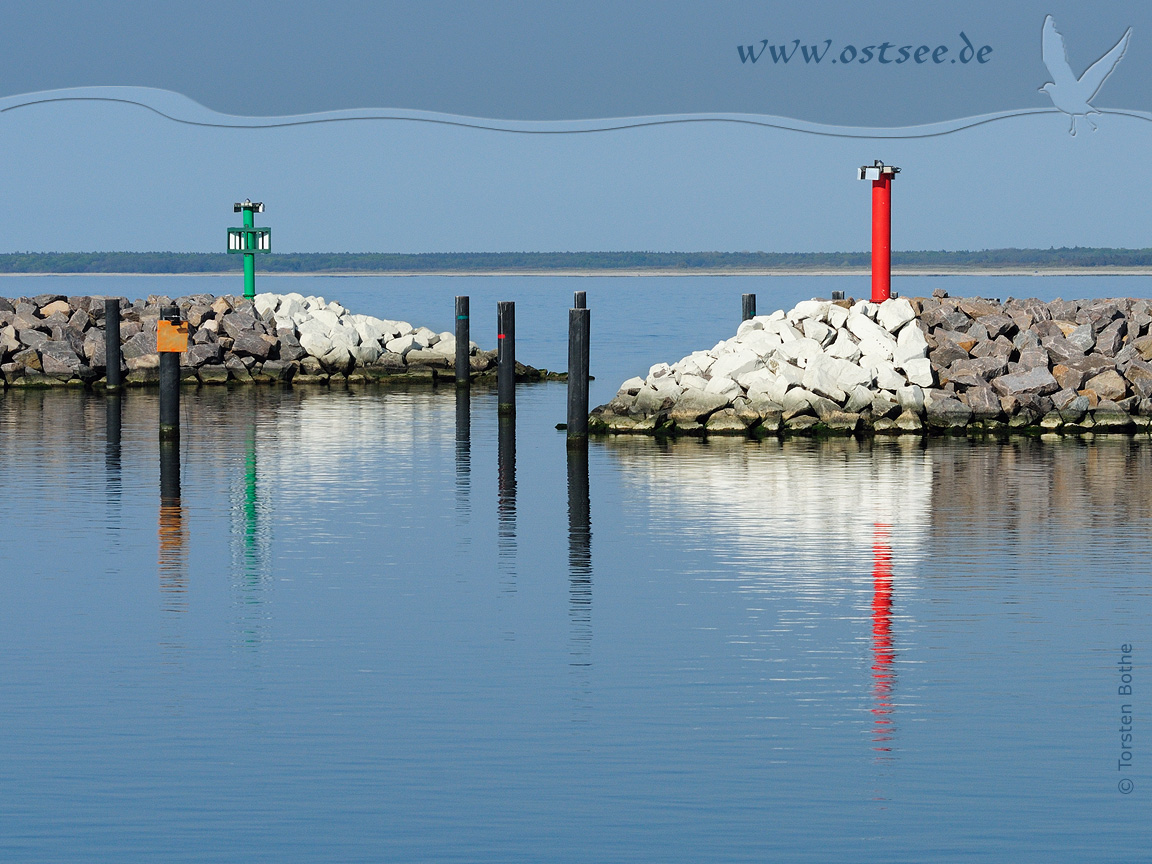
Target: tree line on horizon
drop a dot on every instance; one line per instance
(391, 262)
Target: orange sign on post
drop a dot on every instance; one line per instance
(171, 337)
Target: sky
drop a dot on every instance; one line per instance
(78, 174)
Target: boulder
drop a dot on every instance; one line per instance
(1037, 381)
(1108, 385)
(695, 406)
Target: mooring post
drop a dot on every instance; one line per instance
(580, 300)
(113, 381)
(169, 347)
(463, 367)
(747, 307)
(579, 324)
(506, 357)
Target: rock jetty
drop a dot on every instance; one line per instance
(906, 366)
(52, 340)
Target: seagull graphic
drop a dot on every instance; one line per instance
(1070, 94)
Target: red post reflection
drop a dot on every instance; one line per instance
(883, 655)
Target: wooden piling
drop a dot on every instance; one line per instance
(463, 360)
(579, 325)
(113, 380)
(506, 357)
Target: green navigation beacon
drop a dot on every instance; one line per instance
(248, 241)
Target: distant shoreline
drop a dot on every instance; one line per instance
(654, 271)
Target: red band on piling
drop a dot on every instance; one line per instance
(499, 335)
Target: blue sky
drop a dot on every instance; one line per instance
(84, 175)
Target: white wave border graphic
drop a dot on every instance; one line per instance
(181, 109)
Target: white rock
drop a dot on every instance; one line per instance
(820, 378)
(815, 310)
(797, 399)
(400, 345)
(733, 364)
(862, 327)
(887, 378)
(800, 350)
(212, 326)
(403, 328)
(781, 368)
(315, 343)
(338, 357)
(283, 323)
(326, 317)
(911, 398)
(425, 338)
(849, 375)
(338, 310)
(759, 377)
(748, 326)
(910, 344)
(725, 387)
(859, 399)
(632, 386)
(843, 347)
(762, 342)
(876, 349)
(865, 308)
(366, 352)
(660, 370)
(266, 303)
(894, 314)
(447, 347)
(693, 382)
(837, 316)
(918, 371)
(818, 332)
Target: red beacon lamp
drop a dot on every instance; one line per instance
(881, 176)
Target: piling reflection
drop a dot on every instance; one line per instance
(113, 479)
(463, 452)
(173, 542)
(506, 501)
(883, 652)
(579, 558)
(251, 543)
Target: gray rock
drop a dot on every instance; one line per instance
(237, 370)
(279, 370)
(1082, 338)
(251, 345)
(237, 324)
(1108, 385)
(59, 360)
(997, 324)
(1034, 357)
(139, 345)
(1110, 339)
(726, 420)
(947, 413)
(198, 355)
(1061, 350)
(212, 374)
(428, 358)
(983, 402)
(32, 338)
(1037, 381)
(909, 421)
(1074, 411)
(981, 367)
(695, 405)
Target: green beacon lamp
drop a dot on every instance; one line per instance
(248, 241)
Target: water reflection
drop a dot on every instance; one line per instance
(579, 558)
(883, 653)
(251, 540)
(463, 453)
(113, 482)
(173, 542)
(506, 502)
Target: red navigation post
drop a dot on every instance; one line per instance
(881, 176)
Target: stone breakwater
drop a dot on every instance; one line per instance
(53, 340)
(925, 365)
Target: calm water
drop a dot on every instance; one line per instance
(379, 626)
